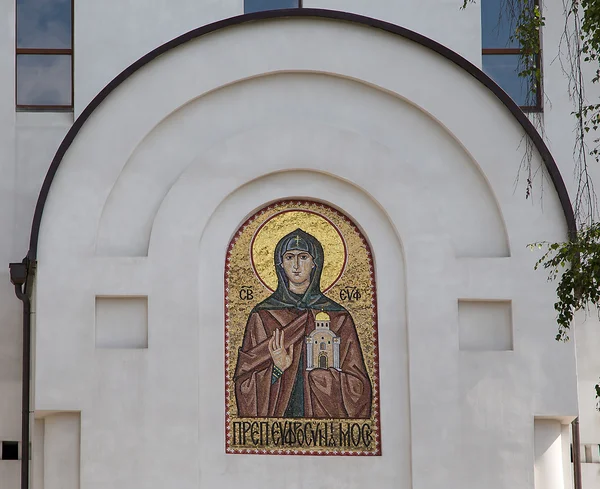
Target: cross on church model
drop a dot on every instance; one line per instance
(322, 345)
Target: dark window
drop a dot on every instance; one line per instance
(260, 5)
(44, 54)
(10, 450)
(497, 24)
(502, 56)
(503, 69)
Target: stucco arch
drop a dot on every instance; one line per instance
(314, 140)
(386, 246)
(379, 26)
(470, 132)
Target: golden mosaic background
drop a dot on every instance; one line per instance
(267, 237)
(240, 274)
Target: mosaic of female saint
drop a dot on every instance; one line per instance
(301, 366)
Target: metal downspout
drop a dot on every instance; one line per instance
(576, 454)
(21, 277)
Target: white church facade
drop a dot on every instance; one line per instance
(389, 308)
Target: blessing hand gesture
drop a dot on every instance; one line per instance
(281, 358)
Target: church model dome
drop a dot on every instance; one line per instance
(322, 316)
(322, 345)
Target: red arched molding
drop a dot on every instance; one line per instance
(470, 68)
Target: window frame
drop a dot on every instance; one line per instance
(46, 52)
(538, 107)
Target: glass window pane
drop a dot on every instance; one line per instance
(259, 5)
(43, 79)
(496, 24)
(504, 70)
(44, 24)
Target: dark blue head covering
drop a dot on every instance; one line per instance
(313, 298)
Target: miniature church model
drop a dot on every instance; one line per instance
(322, 345)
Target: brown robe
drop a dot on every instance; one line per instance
(328, 393)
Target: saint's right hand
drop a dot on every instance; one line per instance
(281, 358)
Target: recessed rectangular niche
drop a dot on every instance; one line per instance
(551, 446)
(62, 451)
(485, 325)
(122, 322)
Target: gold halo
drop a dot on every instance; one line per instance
(262, 248)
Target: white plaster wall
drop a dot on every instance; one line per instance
(38, 136)
(441, 20)
(471, 413)
(587, 339)
(559, 125)
(111, 35)
(10, 322)
(590, 474)
(37, 458)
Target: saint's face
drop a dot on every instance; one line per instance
(297, 266)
